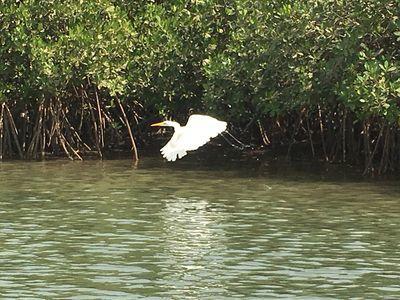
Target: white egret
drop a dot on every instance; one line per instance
(199, 130)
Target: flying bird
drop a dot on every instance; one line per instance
(197, 132)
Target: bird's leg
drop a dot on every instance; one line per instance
(240, 145)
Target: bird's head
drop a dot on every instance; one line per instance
(166, 123)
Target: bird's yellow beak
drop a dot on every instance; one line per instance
(158, 124)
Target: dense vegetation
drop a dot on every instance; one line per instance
(76, 76)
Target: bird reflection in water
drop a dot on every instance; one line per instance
(193, 240)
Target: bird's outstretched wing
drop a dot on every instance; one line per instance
(197, 132)
(173, 149)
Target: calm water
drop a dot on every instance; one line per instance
(90, 230)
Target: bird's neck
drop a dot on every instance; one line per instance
(174, 124)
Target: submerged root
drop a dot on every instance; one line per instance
(86, 125)
(1, 130)
(14, 131)
(53, 127)
(128, 127)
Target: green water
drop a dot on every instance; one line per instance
(191, 230)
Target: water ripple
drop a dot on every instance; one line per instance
(104, 230)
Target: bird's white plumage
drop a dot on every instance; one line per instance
(197, 132)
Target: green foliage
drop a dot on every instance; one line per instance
(47, 46)
(375, 89)
(292, 55)
(241, 59)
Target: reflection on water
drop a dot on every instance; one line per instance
(90, 230)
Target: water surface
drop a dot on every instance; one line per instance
(195, 230)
